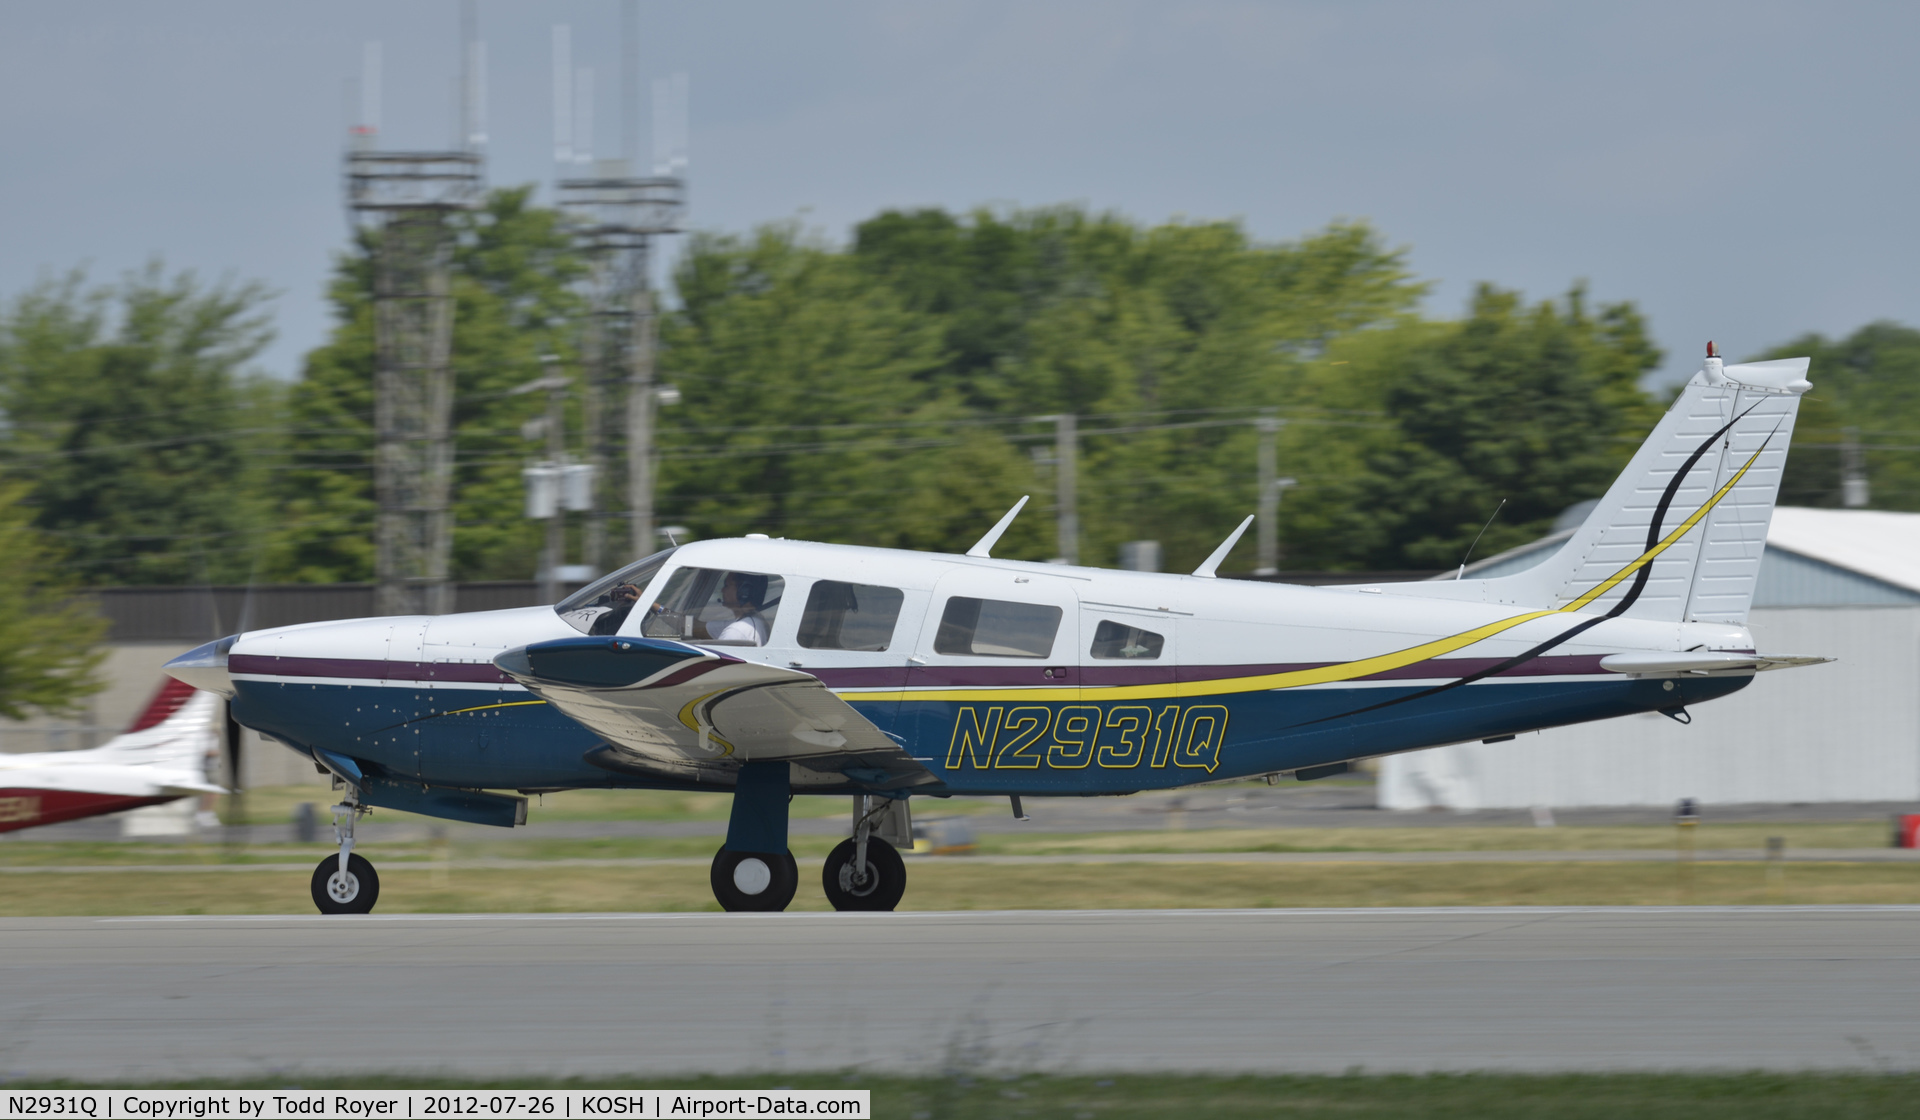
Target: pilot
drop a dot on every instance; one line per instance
(623, 598)
(743, 593)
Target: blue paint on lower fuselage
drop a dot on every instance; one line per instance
(435, 736)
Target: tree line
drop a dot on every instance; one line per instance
(893, 389)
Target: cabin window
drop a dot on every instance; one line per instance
(601, 606)
(992, 628)
(856, 616)
(716, 608)
(1116, 641)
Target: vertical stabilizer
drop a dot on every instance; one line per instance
(1679, 535)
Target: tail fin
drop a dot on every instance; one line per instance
(179, 740)
(1679, 535)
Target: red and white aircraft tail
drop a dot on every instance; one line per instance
(161, 757)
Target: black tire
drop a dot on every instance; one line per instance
(754, 881)
(354, 895)
(886, 877)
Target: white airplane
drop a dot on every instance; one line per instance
(775, 668)
(161, 758)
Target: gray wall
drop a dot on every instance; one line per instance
(1846, 731)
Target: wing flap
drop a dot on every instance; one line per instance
(666, 707)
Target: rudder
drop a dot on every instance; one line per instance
(1679, 535)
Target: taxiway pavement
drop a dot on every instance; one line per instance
(1267, 990)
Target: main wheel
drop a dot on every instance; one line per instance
(885, 882)
(754, 880)
(352, 893)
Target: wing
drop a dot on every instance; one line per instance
(671, 710)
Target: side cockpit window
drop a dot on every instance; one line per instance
(1114, 641)
(993, 628)
(601, 606)
(708, 606)
(857, 616)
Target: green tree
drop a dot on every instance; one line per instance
(513, 267)
(130, 412)
(1866, 388)
(49, 635)
(1539, 406)
(809, 406)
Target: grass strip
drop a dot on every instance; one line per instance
(1352, 1096)
(956, 885)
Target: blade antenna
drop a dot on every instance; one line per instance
(1212, 563)
(1476, 538)
(992, 538)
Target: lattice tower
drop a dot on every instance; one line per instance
(404, 199)
(616, 219)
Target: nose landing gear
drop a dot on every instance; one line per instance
(346, 883)
(866, 872)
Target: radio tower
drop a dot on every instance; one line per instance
(616, 216)
(402, 200)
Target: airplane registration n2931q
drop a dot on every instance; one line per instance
(776, 668)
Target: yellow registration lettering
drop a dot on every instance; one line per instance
(1122, 742)
(1074, 731)
(1166, 726)
(1020, 737)
(972, 740)
(1200, 735)
(15, 809)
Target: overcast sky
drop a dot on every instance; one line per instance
(1742, 171)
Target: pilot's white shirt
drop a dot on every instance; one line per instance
(751, 628)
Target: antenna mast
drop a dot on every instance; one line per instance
(402, 201)
(616, 215)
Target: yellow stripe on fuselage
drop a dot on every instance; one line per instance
(1325, 674)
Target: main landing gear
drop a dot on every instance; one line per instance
(754, 870)
(346, 883)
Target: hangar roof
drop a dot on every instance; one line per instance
(1814, 558)
(1883, 545)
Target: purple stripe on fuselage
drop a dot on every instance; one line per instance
(1112, 675)
(352, 668)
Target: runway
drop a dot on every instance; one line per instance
(1265, 990)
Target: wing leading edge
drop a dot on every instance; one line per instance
(676, 711)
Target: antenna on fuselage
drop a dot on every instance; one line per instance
(1206, 570)
(1483, 531)
(992, 538)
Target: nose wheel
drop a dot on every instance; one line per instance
(881, 885)
(346, 883)
(352, 891)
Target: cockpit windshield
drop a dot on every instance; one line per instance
(601, 606)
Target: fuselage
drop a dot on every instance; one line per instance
(1139, 680)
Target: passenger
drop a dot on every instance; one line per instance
(623, 598)
(743, 593)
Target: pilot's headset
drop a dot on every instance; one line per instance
(751, 588)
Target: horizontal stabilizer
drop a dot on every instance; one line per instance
(1702, 662)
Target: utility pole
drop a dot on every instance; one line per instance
(403, 201)
(1854, 490)
(1267, 524)
(1066, 453)
(640, 428)
(558, 387)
